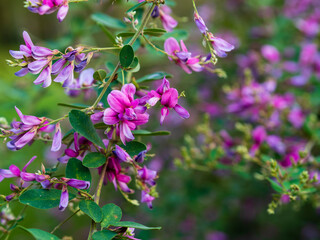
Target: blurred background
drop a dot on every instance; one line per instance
(214, 205)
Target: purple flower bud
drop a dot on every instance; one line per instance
(140, 157)
(121, 154)
(79, 184)
(57, 138)
(64, 199)
(200, 23)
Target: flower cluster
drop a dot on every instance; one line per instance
(36, 59)
(26, 131)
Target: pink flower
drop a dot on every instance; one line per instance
(49, 6)
(182, 56)
(168, 98)
(125, 112)
(270, 53)
(168, 22)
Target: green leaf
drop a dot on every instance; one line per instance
(111, 215)
(42, 198)
(139, 5)
(134, 147)
(104, 235)
(39, 234)
(76, 170)
(125, 34)
(91, 209)
(2, 202)
(142, 132)
(275, 186)
(94, 160)
(135, 66)
(100, 75)
(135, 225)
(154, 76)
(126, 56)
(82, 124)
(107, 21)
(154, 32)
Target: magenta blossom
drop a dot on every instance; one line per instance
(168, 22)
(181, 56)
(147, 176)
(270, 53)
(147, 198)
(259, 135)
(125, 112)
(114, 175)
(49, 6)
(168, 98)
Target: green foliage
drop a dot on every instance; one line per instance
(76, 170)
(135, 225)
(40, 234)
(91, 209)
(111, 215)
(104, 235)
(100, 75)
(134, 147)
(126, 56)
(142, 132)
(82, 124)
(42, 198)
(94, 160)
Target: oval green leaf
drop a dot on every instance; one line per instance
(39, 234)
(42, 198)
(82, 124)
(135, 225)
(134, 147)
(111, 215)
(126, 56)
(94, 160)
(100, 75)
(76, 170)
(104, 235)
(91, 209)
(142, 132)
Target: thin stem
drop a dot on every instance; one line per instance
(64, 221)
(156, 48)
(100, 49)
(132, 41)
